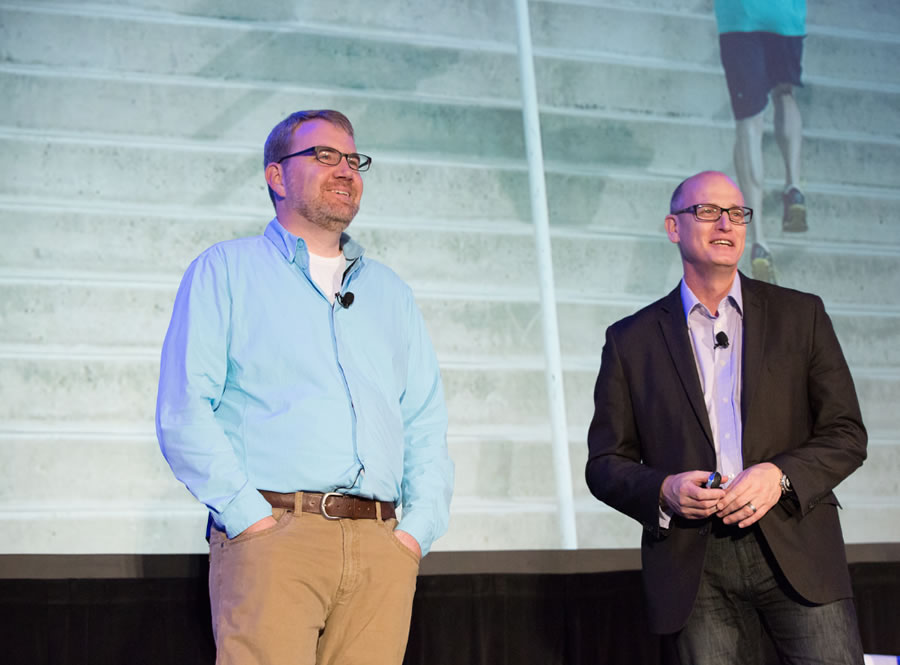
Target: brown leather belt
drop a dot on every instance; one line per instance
(332, 505)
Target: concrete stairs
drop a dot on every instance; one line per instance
(131, 136)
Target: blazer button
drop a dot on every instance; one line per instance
(704, 529)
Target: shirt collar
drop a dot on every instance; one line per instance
(293, 247)
(690, 301)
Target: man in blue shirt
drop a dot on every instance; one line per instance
(761, 46)
(301, 401)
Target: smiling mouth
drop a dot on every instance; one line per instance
(340, 192)
(723, 243)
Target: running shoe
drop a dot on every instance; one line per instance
(794, 220)
(761, 264)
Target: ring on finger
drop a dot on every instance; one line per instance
(751, 506)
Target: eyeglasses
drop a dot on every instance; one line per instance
(709, 212)
(333, 157)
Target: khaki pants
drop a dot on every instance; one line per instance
(312, 591)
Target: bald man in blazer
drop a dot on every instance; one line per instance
(731, 375)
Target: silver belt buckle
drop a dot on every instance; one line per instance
(322, 505)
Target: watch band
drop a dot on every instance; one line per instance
(785, 482)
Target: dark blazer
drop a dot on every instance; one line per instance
(799, 411)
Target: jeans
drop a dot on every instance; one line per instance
(742, 591)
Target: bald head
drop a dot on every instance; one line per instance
(697, 181)
(710, 248)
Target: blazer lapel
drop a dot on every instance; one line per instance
(675, 332)
(754, 347)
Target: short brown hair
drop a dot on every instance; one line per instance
(279, 140)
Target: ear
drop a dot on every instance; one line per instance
(274, 178)
(672, 228)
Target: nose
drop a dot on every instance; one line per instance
(724, 222)
(343, 167)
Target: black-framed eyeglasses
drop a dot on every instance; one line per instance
(332, 157)
(710, 212)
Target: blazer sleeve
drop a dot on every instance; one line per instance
(614, 472)
(836, 445)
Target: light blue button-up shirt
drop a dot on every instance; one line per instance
(719, 368)
(264, 384)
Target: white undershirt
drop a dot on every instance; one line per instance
(328, 273)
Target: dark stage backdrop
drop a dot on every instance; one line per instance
(462, 619)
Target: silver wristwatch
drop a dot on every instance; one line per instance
(785, 485)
